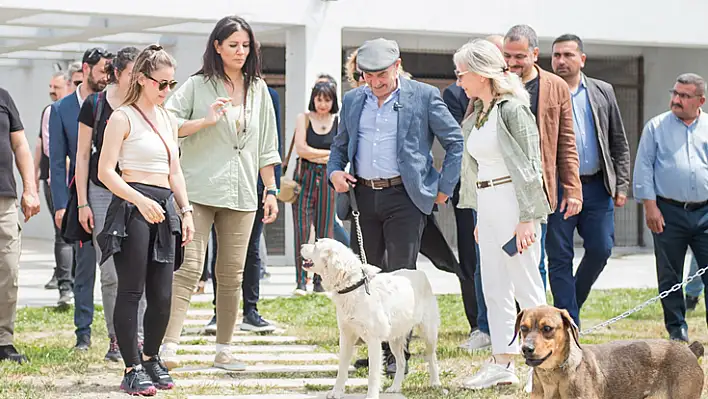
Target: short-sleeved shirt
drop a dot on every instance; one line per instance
(9, 123)
(87, 116)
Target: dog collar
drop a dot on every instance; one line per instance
(364, 281)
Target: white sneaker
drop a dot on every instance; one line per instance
(225, 360)
(168, 354)
(492, 374)
(477, 340)
(529, 382)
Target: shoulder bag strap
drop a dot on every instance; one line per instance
(292, 145)
(154, 129)
(98, 111)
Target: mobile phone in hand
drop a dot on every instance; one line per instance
(510, 247)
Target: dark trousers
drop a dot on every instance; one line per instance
(251, 284)
(391, 226)
(84, 282)
(137, 272)
(596, 225)
(63, 251)
(470, 277)
(683, 228)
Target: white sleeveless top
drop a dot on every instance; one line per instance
(483, 145)
(143, 149)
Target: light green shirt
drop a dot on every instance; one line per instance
(220, 163)
(520, 146)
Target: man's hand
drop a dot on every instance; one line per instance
(340, 181)
(441, 199)
(620, 200)
(29, 204)
(572, 207)
(86, 219)
(58, 216)
(655, 220)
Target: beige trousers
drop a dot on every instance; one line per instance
(9, 267)
(233, 231)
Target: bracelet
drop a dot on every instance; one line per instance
(82, 206)
(186, 209)
(273, 192)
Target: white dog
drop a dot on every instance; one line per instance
(376, 307)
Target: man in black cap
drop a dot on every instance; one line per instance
(63, 135)
(386, 131)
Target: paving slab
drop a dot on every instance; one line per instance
(261, 368)
(265, 357)
(252, 348)
(294, 396)
(269, 382)
(236, 339)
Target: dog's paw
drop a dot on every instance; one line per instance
(335, 394)
(394, 389)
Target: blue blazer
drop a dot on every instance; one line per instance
(63, 135)
(422, 116)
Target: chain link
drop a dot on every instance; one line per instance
(362, 254)
(639, 307)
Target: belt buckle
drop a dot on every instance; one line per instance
(373, 185)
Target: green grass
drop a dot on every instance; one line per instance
(45, 335)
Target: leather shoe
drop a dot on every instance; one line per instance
(390, 365)
(361, 363)
(8, 352)
(83, 343)
(679, 335)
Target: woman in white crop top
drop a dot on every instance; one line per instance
(501, 178)
(143, 230)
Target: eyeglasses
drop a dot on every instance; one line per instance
(162, 85)
(460, 74)
(95, 55)
(683, 96)
(77, 83)
(358, 75)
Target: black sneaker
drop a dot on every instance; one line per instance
(66, 296)
(52, 284)
(210, 328)
(136, 382)
(83, 343)
(8, 352)
(156, 369)
(691, 302)
(252, 321)
(113, 354)
(317, 285)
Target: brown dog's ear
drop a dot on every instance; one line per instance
(569, 324)
(519, 317)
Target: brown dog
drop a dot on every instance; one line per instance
(562, 369)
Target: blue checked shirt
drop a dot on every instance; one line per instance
(585, 133)
(378, 129)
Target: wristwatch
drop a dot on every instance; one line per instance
(186, 209)
(273, 192)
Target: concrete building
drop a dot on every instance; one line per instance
(640, 55)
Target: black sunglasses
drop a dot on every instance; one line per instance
(163, 84)
(77, 83)
(357, 75)
(96, 54)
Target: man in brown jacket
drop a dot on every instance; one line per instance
(550, 103)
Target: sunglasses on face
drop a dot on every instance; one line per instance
(96, 54)
(77, 83)
(162, 85)
(358, 75)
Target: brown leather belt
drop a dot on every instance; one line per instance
(495, 182)
(380, 184)
(688, 206)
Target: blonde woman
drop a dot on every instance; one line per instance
(501, 179)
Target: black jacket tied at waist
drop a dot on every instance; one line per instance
(167, 243)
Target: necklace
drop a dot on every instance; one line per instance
(483, 116)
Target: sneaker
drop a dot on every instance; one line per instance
(8, 352)
(157, 371)
(225, 360)
(211, 327)
(492, 374)
(168, 355)
(65, 298)
(301, 289)
(52, 284)
(317, 285)
(691, 302)
(477, 340)
(136, 382)
(255, 323)
(83, 343)
(113, 354)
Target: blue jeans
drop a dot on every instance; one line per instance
(596, 225)
(340, 234)
(542, 265)
(84, 280)
(695, 287)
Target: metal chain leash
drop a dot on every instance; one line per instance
(637, 308)
(362, 254)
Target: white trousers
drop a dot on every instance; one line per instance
(504, 277)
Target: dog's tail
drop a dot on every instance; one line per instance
(697, 349)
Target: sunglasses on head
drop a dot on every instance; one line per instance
(96, 55)
(164, 83)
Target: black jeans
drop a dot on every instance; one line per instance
(391, 226)
(63, 251)
(137, 273)
(251, 284)
(683, 228)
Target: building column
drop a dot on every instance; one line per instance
(310, 50)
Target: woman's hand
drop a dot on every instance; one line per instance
(187, 228)
(86, 218)
(216, 111)
(151, 210)
(270, 208)
(525, 235)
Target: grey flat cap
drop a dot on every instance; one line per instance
(377, 55)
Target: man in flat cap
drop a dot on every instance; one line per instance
(386, 132)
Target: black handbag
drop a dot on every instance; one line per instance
(71, 229)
